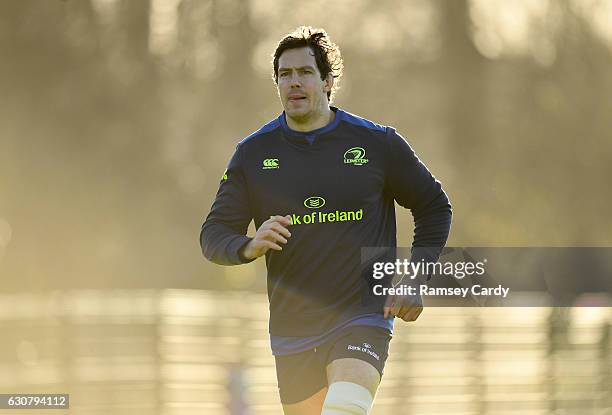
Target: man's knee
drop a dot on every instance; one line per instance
(347, 398)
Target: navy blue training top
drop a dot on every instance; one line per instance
(338, 184)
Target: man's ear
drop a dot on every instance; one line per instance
(329, 82)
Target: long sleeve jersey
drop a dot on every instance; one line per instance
(339, 184)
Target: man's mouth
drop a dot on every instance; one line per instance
(296, 98)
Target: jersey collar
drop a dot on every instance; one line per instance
(309, 137)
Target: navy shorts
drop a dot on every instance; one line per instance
(301, 375)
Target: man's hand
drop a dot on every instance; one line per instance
(406, 307)
(270, 235)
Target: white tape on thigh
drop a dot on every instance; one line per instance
(346, 398)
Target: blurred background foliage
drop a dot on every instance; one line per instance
(118, 117)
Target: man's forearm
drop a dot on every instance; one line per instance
(222, 245)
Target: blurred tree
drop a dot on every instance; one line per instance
(111, 151)
(462, 70)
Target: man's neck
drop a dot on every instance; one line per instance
(326, 117)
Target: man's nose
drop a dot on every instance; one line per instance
(295, 79)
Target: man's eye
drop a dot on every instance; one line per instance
(283, 74)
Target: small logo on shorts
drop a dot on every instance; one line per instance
(365, 348)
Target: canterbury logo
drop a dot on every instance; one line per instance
(314, 202)
(355, 156)
(270, 164)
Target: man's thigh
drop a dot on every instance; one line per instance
(302, 381)
(309, 406)
(354, 371)
(359, 356)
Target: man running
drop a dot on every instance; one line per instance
(320, 184)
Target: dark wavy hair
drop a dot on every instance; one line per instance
(326, 53)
